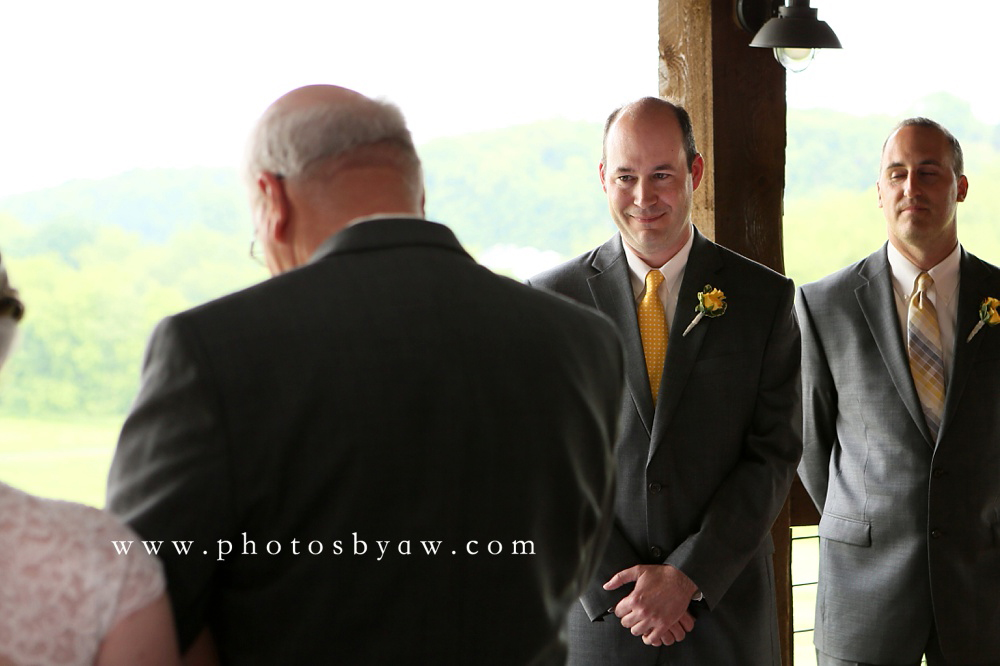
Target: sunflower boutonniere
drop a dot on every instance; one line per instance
(711, 303)
(988, 315)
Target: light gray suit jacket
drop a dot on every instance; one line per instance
(391, 390)
(702, 477)
(910, 532)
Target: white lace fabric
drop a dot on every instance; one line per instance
(63, 585)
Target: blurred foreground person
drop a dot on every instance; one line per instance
(68, 595)
(385, 453)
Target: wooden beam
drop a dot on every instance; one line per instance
(803, 510)
(736, 97)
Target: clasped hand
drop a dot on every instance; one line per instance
(656, 609)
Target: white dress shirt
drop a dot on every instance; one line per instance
(673, 276)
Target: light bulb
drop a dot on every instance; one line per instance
(794, 59)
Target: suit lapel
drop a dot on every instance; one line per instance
(703, 266)
(878, 303)
(612, 292)
(971, 292)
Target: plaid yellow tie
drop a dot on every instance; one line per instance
(924, 346)
(654, 331)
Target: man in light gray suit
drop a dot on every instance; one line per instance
(901, 389)
(384, 454)
(710, 436)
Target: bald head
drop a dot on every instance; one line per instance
(320, 157)
(652, 108)
(319, 123)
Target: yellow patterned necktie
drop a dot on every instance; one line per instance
(923, 342)
(654, 331)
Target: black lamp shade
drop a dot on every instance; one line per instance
(797, 26)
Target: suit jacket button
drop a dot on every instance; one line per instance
(655, 487)
(656, 552)
(939, 472)
(936, 534)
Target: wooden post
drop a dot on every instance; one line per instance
(736, 97)
(803, 510)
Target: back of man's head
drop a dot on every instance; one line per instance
(316, 132)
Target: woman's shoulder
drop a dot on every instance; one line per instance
(71, 566)
(59, 525)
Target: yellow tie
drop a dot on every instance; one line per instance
(654, 331)
(923, 342)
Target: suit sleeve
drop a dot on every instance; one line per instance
(742, 510)
(612, 548)
(169, 478)
(618, 555)
(819, 408)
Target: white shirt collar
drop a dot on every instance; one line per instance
(383, 216)
(673, 270)
(944, 274)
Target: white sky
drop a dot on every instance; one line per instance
(94, 88)
(898, 51)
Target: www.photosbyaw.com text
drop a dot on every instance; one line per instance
(355, 546)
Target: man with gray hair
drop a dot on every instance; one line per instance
(385, 453)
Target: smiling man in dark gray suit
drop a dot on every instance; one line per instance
(710, 435)
(901, 389)
(385, 453)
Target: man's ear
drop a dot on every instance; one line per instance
(697, 171)
(600, 169)
(275, 207)
(963, 188)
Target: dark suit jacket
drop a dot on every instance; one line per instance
(389, 393)
(701, 479)
(910, 532)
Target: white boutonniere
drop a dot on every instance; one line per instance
(987, 315)
(711, 303)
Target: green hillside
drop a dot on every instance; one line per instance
(99, 262)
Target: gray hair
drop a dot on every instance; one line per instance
(287, 143)
(957, 159)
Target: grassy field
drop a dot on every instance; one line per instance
(62, 459)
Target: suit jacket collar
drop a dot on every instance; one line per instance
(878, 304)
(703, 267)
(973, 288)
(384, 233)
(611, 288)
